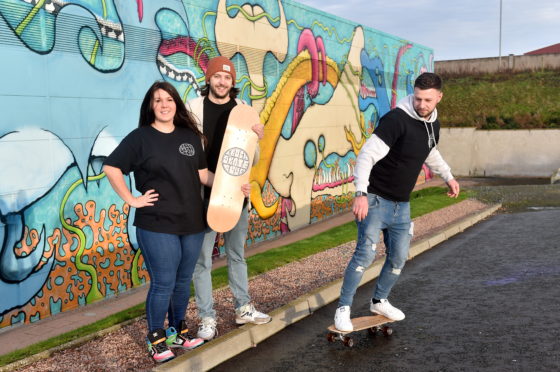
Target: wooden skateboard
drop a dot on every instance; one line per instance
(233, 168)
(373, 324)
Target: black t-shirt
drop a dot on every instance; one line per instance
(169, 164)
(394, 176)
(214, 127)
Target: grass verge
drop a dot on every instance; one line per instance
(421, 202)
(526, 100)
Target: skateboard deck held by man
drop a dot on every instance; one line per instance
(233, 168)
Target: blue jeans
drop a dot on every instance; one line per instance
(234, 243)
(393, 218)
(170, 261)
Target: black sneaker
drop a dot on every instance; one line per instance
(181, 339)
(157, 347)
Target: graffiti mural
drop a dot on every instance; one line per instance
(73, 76)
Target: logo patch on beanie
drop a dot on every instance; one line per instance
(226, 68)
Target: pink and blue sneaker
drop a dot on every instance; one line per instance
(157, 346)
(181, 338)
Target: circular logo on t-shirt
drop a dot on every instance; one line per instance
(186, 149)
(235, 161)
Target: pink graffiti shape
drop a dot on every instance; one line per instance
(332, 185)
(323, 54)
(140, 6)
(299, 105)
(307, 41)
(286, 207)
(316, 48)
(183, 44)
(402, 50)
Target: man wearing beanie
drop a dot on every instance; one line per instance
(211, 111)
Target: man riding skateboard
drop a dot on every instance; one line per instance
(386, 171)
(211, 110)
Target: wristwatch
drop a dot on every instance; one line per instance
(360, 193)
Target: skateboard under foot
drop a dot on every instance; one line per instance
(374, 324)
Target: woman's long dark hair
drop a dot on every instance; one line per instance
(183, 118)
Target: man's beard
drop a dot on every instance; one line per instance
(424, 116)
(215, 93)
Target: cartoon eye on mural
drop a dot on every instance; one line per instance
(73, 76)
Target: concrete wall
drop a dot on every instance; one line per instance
(73, 75)
(524, 153)
(491, 65)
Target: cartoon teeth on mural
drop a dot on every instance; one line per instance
(180, 58)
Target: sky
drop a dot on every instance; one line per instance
(457, 29)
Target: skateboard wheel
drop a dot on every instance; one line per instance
(372, 331)
(331, 337)
(348, 341)
(387, 331)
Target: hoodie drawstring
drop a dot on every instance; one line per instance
(431, 136)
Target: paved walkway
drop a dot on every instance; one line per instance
(485, 300)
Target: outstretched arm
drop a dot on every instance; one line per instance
(435, 162)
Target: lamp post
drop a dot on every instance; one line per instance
(500, 42)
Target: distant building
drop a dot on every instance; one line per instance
(551, 49)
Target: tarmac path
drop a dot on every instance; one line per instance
(485, 300)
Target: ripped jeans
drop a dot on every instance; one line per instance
(393, 218)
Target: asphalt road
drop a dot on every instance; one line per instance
(485, 300)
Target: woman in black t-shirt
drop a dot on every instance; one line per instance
(167, 157)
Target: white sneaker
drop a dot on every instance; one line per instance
(342, 320)
(248, 314)
(387, 310)
(207, 329)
